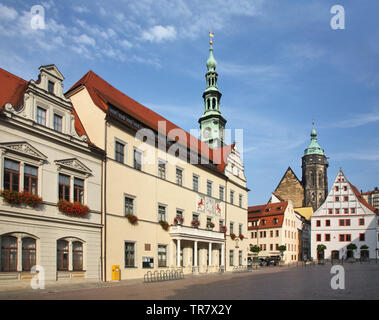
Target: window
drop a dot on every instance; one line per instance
(344, 237)
(341, 222)
(337, 188)
(28, 253)
(271, 247)
(345, 210)
(137, 163)
(240, 258)
(77, 256)
(231, 196)
(41, 116)
(64, 187)
(179, 176)
(57, 123)
(240, 200)
(11, 175)
(162, 169)
(240, 228)
(318, 237)
(209, 188)
(195, 183)
(330, 211)
(78, 190)
(327, 237)
(129, 254)
(161, 213)
(362, 237)
(318, 223)
(62, 255)
(221, 193)
(345, 198)
(119, 152)
(277, 233)
(263, 222)
(336, 199)
(327, 223)
(129, 205)
(344, 188)
(362, 221)
(337, 211)
(352, 210)
(231, 257)
(50, 86)
(162, 256)
(31, 179)
(8, 254)
(231, 227)
(275, 220)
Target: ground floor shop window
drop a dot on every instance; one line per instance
(77, 256)
(8, 254)
(62, 255)
(28, 253)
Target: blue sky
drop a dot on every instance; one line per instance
(279, 62)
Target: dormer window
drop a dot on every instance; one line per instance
(50, 86)
(57, 123)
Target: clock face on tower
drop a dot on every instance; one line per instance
(207, 132)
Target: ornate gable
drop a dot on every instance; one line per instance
(23, 148)
(73, 164)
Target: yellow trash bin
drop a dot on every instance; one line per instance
(116, 272)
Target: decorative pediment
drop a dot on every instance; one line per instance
(73, 164)
(53, 70)
(23, 148)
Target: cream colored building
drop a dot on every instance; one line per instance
(156, 181)
(272, 225)
(45, 151)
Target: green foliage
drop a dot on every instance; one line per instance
(321, 247)
(255, 249)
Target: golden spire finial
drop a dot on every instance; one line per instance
(211, 35)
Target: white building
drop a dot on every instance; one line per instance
(344, 218)
(44, 151)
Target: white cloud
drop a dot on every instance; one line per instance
(159, 33)
(81, 9)
(358, 120)
(85, 40)
(7, 13)
(126, 44)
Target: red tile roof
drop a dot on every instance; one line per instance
(103, 93)
(267, 212)
(12, 90)
(362, 200)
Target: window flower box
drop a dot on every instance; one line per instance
(195, 223)
(164, 225)
(233, 236)
(210, 225)
(223, 229)
(132, 218)
(178, 220)
(75, 209)
(17, 198)
(241, 236)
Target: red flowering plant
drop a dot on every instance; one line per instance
(72, 209)
(241, 236)
(132, 218)
(210, 225)
(195, 223)
(178, 220)
(27, 198)
(164, 225)
(233, 236)
(223, 229)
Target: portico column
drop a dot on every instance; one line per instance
(223, 254)
(171, 252)
(178, 253)
(195, 253)
(210, 253)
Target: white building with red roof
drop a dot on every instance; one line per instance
(50, 182)
(344, 218)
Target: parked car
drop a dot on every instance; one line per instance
(272, 261)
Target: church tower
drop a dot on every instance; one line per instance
(212, 123)
(315, 177)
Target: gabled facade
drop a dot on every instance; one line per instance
(290, 187)
(345, 217)
(272, 225)
(187, 210)
(372, 197)
(45, 152)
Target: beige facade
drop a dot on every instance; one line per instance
(162, 187)
(36, 148)
(271, 226)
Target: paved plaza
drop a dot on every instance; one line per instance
(311, 282)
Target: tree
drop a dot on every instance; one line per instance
(321, 247)
(352, 246)
(364, 247)
(255, 249)
(282, 248)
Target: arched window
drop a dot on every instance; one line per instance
(28, 253)
(214, 103)
(62, 255)
(320, 180)
(8, 254)
(312, 178)
(208, 104)
(313, 197)
(77, 256)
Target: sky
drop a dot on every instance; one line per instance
(280, 65)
